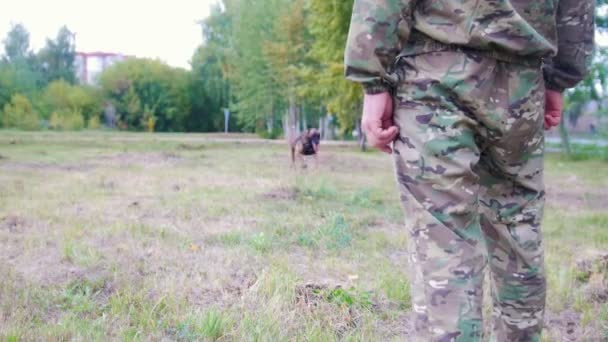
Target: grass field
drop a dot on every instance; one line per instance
(108, 236)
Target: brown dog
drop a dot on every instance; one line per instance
(307, 144)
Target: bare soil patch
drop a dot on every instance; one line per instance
(282, 193)
(576, 196)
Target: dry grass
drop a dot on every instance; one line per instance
(192, 237)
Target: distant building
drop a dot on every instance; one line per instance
(90, 64)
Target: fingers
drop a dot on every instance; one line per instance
(384, 135)
(552, 118)
(378, 132)
(381, 138)
(377, 121)
(386, 149)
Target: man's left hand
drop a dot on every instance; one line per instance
(554, 103)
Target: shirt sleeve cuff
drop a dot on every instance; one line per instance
(376, 87)
(554, 87)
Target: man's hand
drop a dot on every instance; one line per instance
(377, 121)
(554, 103)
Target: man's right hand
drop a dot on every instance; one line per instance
(377, 121)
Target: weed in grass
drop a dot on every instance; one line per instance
(338, 234)
(80, 254)
(211, 326)
(277, 282)
(315, 190)
(12, 338)
(306, 239)
(228, 239)
(142, 313)
(365, 198)
(261, 242)
(350, 297)
(79, 296)
(396, 287)
(335, 235)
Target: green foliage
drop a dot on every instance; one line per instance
(255, 88)
(210, 92)
(17, 44)
(19, 67)
(58, 56)
(148, 93)
(329, 23)
(349, 298)
(282, 61)
(66, 120)
(261, 242)
(60, 96)
(20, 114)
(94, 123)
(211, 71)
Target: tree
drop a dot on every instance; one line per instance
(258, 100)
(58, 56)
(212, 70)
(329, 24)
(209, 92)
(285, 54)
(17, 45)
(19, 70)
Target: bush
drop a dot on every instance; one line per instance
(62, 97)
(67, 120)
(94, 122)
(19, 113)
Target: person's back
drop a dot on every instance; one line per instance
(518, 31)
(458, 91)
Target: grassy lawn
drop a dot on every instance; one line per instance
(109, 236)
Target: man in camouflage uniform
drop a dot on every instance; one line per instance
(461, 89)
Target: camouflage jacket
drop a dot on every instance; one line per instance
(557, 33)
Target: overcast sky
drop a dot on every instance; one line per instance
(145, 28)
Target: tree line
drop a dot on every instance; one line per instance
(40, 90)
(274, 65)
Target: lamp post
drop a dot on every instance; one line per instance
(226, 119)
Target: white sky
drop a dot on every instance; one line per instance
(162, 29)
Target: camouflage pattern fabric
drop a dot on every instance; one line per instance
(469, 163)
(516, 31)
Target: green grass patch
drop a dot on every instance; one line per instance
(210, 325)
(80, 254)
(397, 289)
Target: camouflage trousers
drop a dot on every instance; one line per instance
(469, 164)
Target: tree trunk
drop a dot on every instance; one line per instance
(292, 119)
(563, 132)
(329, 127)
(322, 127)
(361, 136)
